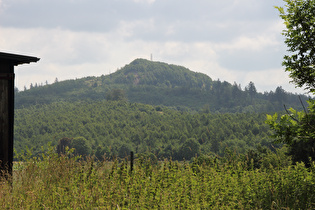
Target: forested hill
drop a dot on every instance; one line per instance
(144, 72)
(158, 83)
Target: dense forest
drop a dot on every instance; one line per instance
(149, 107)
(158, 83)
(115, 128)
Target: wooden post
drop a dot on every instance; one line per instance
(131, 161)
(6, 119)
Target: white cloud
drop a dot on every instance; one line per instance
(269, 79)
(144, 1)
(68, 55)
(232, 40)
(248, 43)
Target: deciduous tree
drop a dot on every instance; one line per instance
(299, 19)
(297, 129)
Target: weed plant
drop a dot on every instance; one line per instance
(72, 182)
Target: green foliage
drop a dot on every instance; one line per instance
(299, 18)
(66, 182)
(63, 145)
(80, 146)
(189, 149)
(116, 95)
(114, 128)
(297, 130)
(276, 160)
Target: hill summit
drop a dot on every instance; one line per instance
(144, 72)
(161, 84)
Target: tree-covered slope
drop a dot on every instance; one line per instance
(144, 72)
(117, 127)
(158, 83)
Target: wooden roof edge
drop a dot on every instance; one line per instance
(17, 59)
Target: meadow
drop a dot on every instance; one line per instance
(72, 182)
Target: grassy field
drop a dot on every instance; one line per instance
(53, 182)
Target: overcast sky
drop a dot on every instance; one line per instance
(232, 40)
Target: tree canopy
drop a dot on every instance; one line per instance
(297, 129)
(299, 19)
(115, 128)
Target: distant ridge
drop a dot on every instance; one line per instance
(158, 83)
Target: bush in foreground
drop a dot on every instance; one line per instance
(60, 182)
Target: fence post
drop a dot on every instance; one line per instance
(131, 161)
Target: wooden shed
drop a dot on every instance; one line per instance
(7, 63)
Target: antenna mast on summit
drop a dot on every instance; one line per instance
(151, 57)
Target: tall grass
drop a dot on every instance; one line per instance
(68, 182)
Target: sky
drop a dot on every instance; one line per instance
(231, 40)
